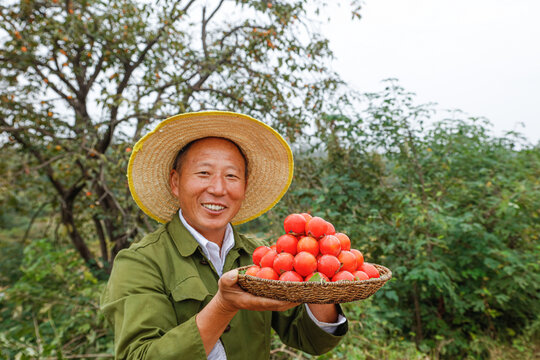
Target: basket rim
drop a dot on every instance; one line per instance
(387, 275)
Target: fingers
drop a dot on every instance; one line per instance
(233, 296)
(229, 278)
(266, 304)
(277, 305)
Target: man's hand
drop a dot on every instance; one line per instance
(231, 298)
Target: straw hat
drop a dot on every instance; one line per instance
(269, 157)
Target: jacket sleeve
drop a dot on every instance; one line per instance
(138, 306)
(296, 329)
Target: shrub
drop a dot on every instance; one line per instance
(53, 308)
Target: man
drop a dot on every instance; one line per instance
(168, 297)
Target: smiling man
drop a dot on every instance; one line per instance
(174, 294)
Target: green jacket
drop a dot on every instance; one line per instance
(159, 284)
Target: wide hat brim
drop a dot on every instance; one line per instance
(269, 158)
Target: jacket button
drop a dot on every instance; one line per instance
(227, 329)
(204, 262)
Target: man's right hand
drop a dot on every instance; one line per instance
(231, 298)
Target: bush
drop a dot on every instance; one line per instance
(53, 308)
(451, 210)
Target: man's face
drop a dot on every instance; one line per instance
(210, 186)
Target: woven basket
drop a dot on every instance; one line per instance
(314, 292)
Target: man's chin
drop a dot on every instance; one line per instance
(217, 223)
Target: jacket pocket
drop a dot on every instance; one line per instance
(189, 297)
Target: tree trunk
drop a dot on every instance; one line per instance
(102, 239)
(418, 318)
(121, 242)
(441, 310)
(76, 239)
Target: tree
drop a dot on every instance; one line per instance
(81, 81)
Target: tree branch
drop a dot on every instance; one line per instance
(101, 237)
(203, 32)
(188, 5)
(37, 154)
(13, 129)
(32, 219)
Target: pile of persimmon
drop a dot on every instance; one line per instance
(310, 249)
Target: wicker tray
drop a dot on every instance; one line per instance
(314, 292)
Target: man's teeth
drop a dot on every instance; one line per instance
(214, 207)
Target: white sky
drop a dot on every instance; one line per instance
(479, 56)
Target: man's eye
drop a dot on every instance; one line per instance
(203, 173)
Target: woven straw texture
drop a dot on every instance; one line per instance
(270, 161)
(314, 292)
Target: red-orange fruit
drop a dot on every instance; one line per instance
(309, 244)
(253, 270)
(306, 216)
(330, 229)
(259, 253)
(273, 247)
(370, 270)
(267, 273)
(291, 276)
(330, 245)
(343, 275)
(360, 275)
(328, 265)
(268, 259)
(295, 224)
(316, 227)
(348, 261)
(305, 263)
(344, 240)
(287, 243)
(359, 258)
(283, 262)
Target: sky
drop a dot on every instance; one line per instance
(479, 56)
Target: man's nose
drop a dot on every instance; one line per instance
(217, 186)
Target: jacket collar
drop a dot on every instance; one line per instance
(184, 241)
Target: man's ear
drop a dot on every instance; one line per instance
(173, 182)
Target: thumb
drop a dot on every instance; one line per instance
(230, 278)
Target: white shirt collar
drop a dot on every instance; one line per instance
(210, 249)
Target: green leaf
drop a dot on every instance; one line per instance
(316, 278)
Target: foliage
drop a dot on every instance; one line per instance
(370, 336)
(451, 210)
(52, 309)
(80, 81)
(21, 206)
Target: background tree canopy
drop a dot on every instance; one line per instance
(453, 211)
(81, 81)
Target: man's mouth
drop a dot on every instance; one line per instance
(213, 207)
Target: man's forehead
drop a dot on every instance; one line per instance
(210, 150)
(210, 145)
